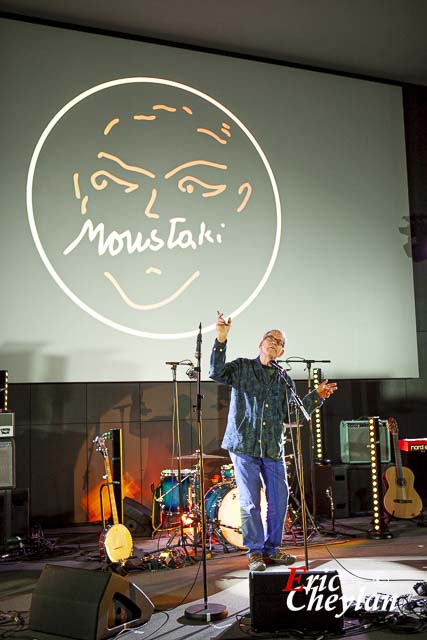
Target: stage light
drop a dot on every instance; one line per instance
(4, 392)
(317, 419)
(379, 528)
(188, 519)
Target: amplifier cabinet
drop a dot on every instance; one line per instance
(7, 463)
(15, 509)
(350, 486)
(354, 441)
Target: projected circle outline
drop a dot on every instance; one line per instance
(177, 236)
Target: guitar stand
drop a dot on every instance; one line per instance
(101, 500)
(419, 520)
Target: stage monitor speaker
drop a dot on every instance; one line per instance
(86, 605)
(137, 518)
(7, 464)
(296, 599)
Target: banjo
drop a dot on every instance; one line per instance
(115, 541)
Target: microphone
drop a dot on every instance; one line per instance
(173, 364)
(274, 364)
(192, 372)
(199, 343)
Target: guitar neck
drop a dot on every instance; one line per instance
(111, 493)
(397, 456)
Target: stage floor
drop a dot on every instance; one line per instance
(173, 578)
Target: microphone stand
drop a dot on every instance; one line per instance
(299, 463)
(206, 611)
(308, 364)
(183, 540)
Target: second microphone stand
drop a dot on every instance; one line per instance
(205, 611)
(299, 466)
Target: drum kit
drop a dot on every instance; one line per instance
(221, 503)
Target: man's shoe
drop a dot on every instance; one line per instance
(280, 557)
(256, 562)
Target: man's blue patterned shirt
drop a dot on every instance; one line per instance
(258, 405)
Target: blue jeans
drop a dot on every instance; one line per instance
(252, 474)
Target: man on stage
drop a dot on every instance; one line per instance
(254, 437)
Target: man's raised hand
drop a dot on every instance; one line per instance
(222, 327)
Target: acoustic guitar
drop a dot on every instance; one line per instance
(115, 541)
(400, 499)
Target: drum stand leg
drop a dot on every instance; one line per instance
(214, 531)
(183, 539)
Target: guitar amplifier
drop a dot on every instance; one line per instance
(354, 441)
(7, 424)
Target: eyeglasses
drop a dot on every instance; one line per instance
(278, 341)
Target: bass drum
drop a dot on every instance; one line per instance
(223, 510)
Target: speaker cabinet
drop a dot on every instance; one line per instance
(86, 605)
(7, 464)
(15, 507)
(296, 599)
(137, 518)
(350, 486)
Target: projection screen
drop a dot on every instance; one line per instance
(145, 187)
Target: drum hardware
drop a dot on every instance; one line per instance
(227, 472)
(214, 534)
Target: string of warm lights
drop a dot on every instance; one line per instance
(379, 527)
(317, 420)
(4, 383)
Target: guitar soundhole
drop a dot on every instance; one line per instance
(401, 482)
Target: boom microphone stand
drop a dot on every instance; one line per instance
(300, 409)
(206, 611)
(183, 538)
(308, 364)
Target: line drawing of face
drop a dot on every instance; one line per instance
(166, 198)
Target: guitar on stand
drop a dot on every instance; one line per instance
(115, 541)
(400, 499)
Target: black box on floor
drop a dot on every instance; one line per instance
(86, 605)
(15, 511)
(296, 599)
(349, 487)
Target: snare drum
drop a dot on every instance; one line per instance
(169, 490)
(227, 472)
(223, 509)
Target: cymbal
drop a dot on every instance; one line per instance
(195, 456)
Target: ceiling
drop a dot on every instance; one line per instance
(385, 39)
